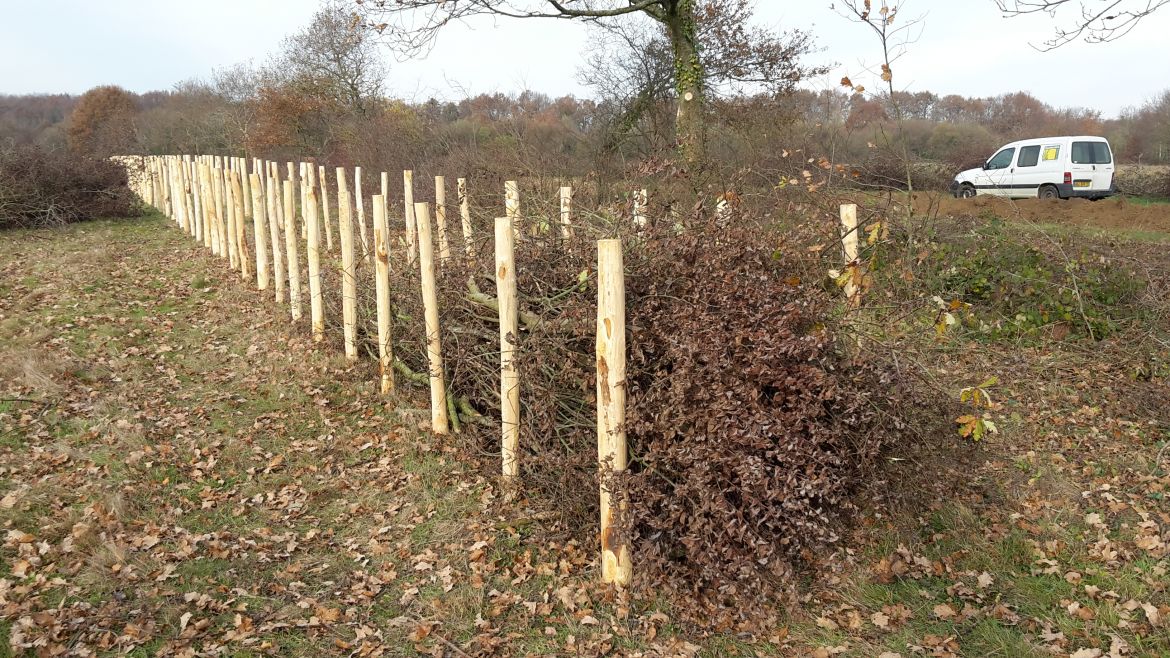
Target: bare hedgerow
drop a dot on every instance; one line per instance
(39, 188)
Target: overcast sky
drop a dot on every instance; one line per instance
(964, 47)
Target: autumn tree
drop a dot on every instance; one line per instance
(412, 26)
(102, 123)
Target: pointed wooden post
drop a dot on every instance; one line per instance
(382, 289)
(324, 180)
(422, 213)
(566, 212)
(512, 203)
(272, 205)
(509, 337)
(411, 224)
(640, 202)
(611, 405)
(348, 267)
(850, 245)
(441, 217)
(290, 249)
(241, 233)
(312, 219)
(465, 215)
(260, 230)
(360, 206)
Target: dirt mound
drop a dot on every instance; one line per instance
(1114, 213)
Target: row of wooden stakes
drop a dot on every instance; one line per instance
(212, 198)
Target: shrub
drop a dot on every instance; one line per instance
(45, 188)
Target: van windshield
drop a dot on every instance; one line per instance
(1091, 153)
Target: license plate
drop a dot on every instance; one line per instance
(1081, 183)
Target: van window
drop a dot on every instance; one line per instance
(1029, 156)
(1002, 160)
(1091, 153)
(1052, 152)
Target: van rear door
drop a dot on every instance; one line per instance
(1091, 165)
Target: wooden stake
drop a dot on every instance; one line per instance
(382, 288)
(246, 184)
(465, 214)
(360, 205)
(512, 203)
(640, 202)
(241, 234)
(290, 247)
(316, 298)
(509, 337)
(411, 224)
(260, 231)
(849, 243)
(272, 206)
(220, 217)
(348, 270)
(422, 213)
(441, 217)
(324, 180)
(611, 404)
(566, 212)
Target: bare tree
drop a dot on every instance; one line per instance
(1098, 21)
(412, 26)
(631, 66)
(336, 58)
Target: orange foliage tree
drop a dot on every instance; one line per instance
(102, 123)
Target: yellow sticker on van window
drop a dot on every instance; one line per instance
(1051, 152)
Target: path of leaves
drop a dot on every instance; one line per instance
(183, 473)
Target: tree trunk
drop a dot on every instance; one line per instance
(690, 128)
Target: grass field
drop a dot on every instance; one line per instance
(183, 473)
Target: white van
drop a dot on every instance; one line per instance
(1049, 168)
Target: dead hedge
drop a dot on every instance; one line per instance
(748, 426)
(40, 187)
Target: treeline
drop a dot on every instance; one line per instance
(321, 96)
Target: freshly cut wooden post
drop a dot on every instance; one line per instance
(465, 214)
(382, 288)
(360, 205)
(290, 247)
(611, 404)
(197, 204)
(220, 218)
(246, 184)
(422, 213)
(640, 202)
(512, 203)
(316, 299)
(303, 180)
(411, 224)
(260, 229)
(509, 336)
(348, 271)
(208, 207)
(566, 212)
(272, 205)
(441, 217)
(229, 206)
(849, 242)
(241, 234)
(325, 208)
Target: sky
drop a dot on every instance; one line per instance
(963, 47)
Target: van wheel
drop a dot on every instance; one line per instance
(966, 191)
(1049, 192)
